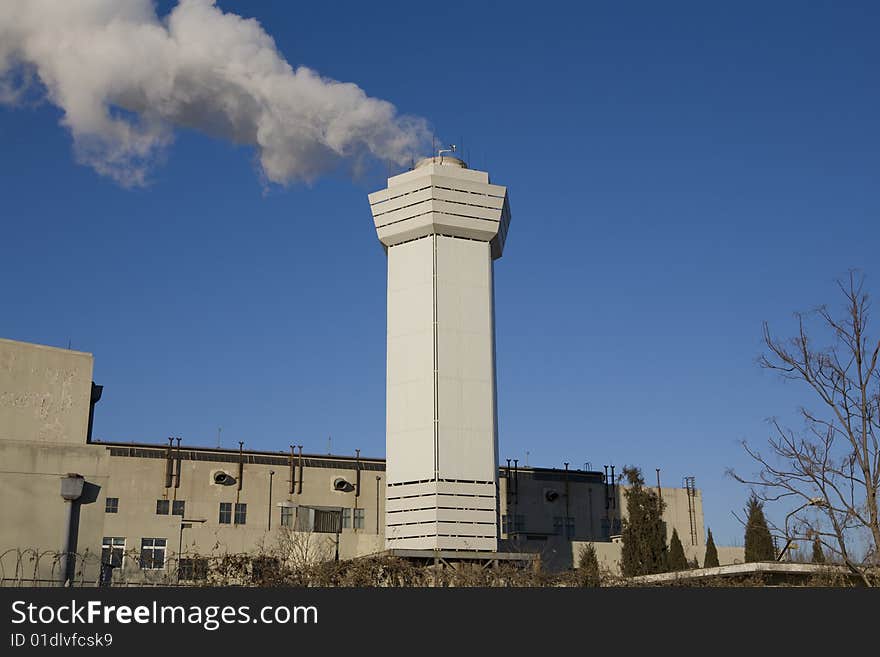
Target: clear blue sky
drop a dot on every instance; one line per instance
(678, 173)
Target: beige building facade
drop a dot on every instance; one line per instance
(146, 507)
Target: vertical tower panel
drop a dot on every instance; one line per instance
(410, 362)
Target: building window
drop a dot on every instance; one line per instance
(359, 518)
(162, 507)
(152, 553)
(112, 551)
(225, 513)
(346, 518)
(192, 569)
(240, 513)
(178, 507)
(287, 516)
(111, 505)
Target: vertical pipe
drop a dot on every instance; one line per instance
(240, 462)
(507, 487)
(567, 510)
(177, 474)
(271, 474)
(605, 480)
(659, 490)
(300, 481)
(292, 480)
(516, 481)
(169, 471)
(357, 482)
(378, 479)
(64, 567)
(613, 489)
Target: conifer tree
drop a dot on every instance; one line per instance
(759, 542)
(677, 560)
(643, 536)
(711, 559)
(588, 567)
(818, 554)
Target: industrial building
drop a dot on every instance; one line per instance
(145, 505)
(150, 509)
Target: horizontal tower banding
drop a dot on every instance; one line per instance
(442, 226)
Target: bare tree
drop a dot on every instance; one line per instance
(301, 550)
(829, 472)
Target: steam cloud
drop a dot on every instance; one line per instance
(125, 78)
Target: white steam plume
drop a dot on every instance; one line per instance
(124, 78)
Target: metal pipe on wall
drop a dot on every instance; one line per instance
(177, 474)
(240, 462)
(378, 480)
(169, 464)
(292, 480)
(271, 474)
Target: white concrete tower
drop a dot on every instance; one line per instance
(442, 226)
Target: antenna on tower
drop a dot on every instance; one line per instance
(451, 149)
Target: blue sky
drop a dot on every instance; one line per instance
(678, 174)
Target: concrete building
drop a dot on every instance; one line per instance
(151, 508)
(442, 226)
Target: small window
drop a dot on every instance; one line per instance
(240, 513)
(152, 553)
(287, 516)
(193, 569)
(111, 505)
(225, 513)
(178, 507)
(346, 518)
(112, 551)
(162, 507)
(359, 518)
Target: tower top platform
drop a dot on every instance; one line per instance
(441, 196)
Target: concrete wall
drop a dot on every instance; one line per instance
(608, 554)
(44, 393)
(44, 410)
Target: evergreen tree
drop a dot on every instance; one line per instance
(677, 560)
(759, 542)
(818, 554)
(643, 536)
(711, 559)
(588, 567)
